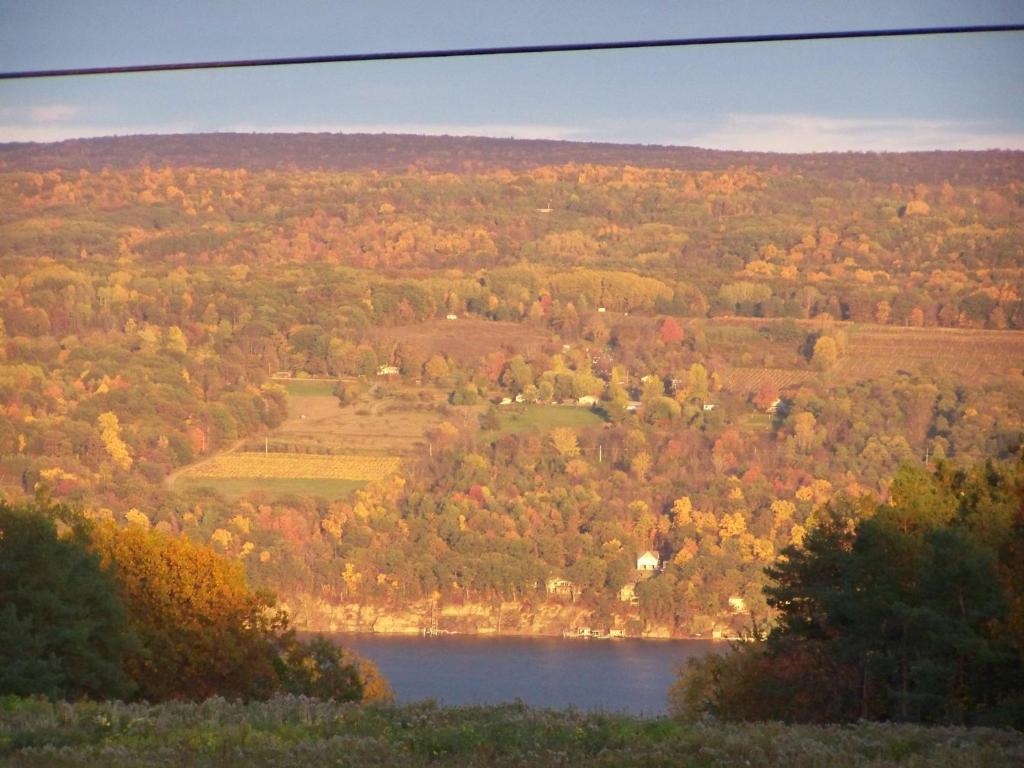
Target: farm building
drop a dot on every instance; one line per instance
(648, 561)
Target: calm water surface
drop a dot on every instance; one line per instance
(613, 675)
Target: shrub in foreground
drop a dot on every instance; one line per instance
(106, 612)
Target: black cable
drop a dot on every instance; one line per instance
(516, 49)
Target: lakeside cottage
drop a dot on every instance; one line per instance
(556, 585)
(648, 561)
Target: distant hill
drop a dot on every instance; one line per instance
(395, 152)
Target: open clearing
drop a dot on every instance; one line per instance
(748, 380)
(297, 466)
(308, 387)
(322, 449)
(235, 487)
(546, 417)
(387, 426)
(467, 339)
(235, 474)
(964, 354)
(875, 351)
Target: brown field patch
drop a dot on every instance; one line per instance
(877, 351)
(963, 354)
(467, 339)
(386, 426)
(749, 380)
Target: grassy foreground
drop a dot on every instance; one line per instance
(298, 731)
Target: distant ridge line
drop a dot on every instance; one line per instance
(403, 152)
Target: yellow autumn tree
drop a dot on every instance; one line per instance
(110, 433)
(826, 352)
(682, 509)
(733, 524)
(564, 441)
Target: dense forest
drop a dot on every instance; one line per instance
(742, 340)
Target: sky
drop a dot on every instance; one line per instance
(864, 95)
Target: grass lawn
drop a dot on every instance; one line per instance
(305, 388)
(756, 422)
(234, 487)
(516, 418)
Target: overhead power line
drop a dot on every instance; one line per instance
(787, 37)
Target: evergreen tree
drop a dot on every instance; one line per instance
(62, 628)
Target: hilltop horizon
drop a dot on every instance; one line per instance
(407, 151)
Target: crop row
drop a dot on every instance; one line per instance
(292, 465)
(751, 379)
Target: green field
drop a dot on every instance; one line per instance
(235, 487)
(296, 731)
(753, 422)
(307, 388)
(517, 418)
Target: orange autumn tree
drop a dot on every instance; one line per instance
(202, 631)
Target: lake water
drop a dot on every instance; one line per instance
(612, 675)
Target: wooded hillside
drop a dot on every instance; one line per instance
(572, 353)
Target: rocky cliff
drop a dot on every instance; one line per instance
(507, 618)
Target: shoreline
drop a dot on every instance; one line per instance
(517, 636)
(564, 621)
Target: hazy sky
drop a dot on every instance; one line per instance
(907, 93)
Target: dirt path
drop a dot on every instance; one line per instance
(173, 476)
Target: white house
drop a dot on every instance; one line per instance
(737, 604)
(556, 585)
(648, 561)
(451, 316)
(387, 370)
(587, 401)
